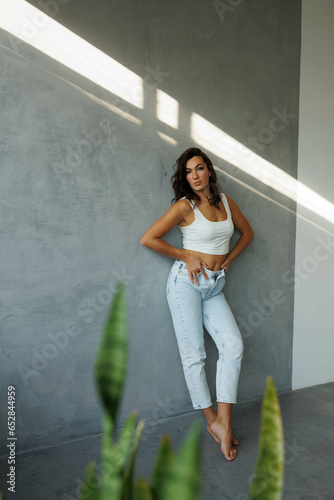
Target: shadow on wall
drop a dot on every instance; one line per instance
(29, 24)
(95, 138)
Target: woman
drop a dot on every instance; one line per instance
(206, 218)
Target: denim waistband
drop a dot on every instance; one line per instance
(209, 273)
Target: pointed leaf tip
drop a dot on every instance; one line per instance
(111, 363)
(184, 478)
(269, 470)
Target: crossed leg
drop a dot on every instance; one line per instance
(219, 426)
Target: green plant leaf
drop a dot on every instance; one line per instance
(126, 439)
(143, 491)
(110, 368)
(90, 489)
(111, 481)
(184, 479)
(115, 456)
(111, 488)
(128, 478)
(269, 470)
(108, 468)
(162, 468)
(118, 454)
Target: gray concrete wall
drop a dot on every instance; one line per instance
(80, 184)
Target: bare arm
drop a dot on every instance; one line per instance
(247, 234)
(153, 238)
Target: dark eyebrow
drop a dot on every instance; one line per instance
(199, 165)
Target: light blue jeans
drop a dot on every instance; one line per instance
(191, 307)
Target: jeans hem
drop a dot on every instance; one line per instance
(202, 407)
(229, 401)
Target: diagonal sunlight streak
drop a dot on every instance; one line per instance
(101, 102)
(268, 198)
(37, 29)
(105, 104)
(223, 145)
(34, 27)
(167, 109)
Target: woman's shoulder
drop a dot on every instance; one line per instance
(184, 204)
(182, 207)
(228, 202)
(232, 205)
(226, 197)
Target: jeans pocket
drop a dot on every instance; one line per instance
(183, 274)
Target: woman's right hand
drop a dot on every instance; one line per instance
(195, 266)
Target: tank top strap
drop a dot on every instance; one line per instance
(197, 212)
(191, 203)
(226, 205)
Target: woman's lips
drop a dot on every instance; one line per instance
(197, 183)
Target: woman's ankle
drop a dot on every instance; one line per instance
(221, 422)
(210, 415)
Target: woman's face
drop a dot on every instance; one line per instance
(197, 173)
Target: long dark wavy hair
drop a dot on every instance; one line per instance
(181, 185)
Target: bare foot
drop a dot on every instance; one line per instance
(212, 434)
(234, 440)
(225, 437)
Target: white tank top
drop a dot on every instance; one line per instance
(206, 236)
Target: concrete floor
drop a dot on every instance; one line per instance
(54, 473)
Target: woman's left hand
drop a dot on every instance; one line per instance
(225, 265)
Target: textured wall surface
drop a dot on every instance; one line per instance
(84, 173)
(313, 344)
